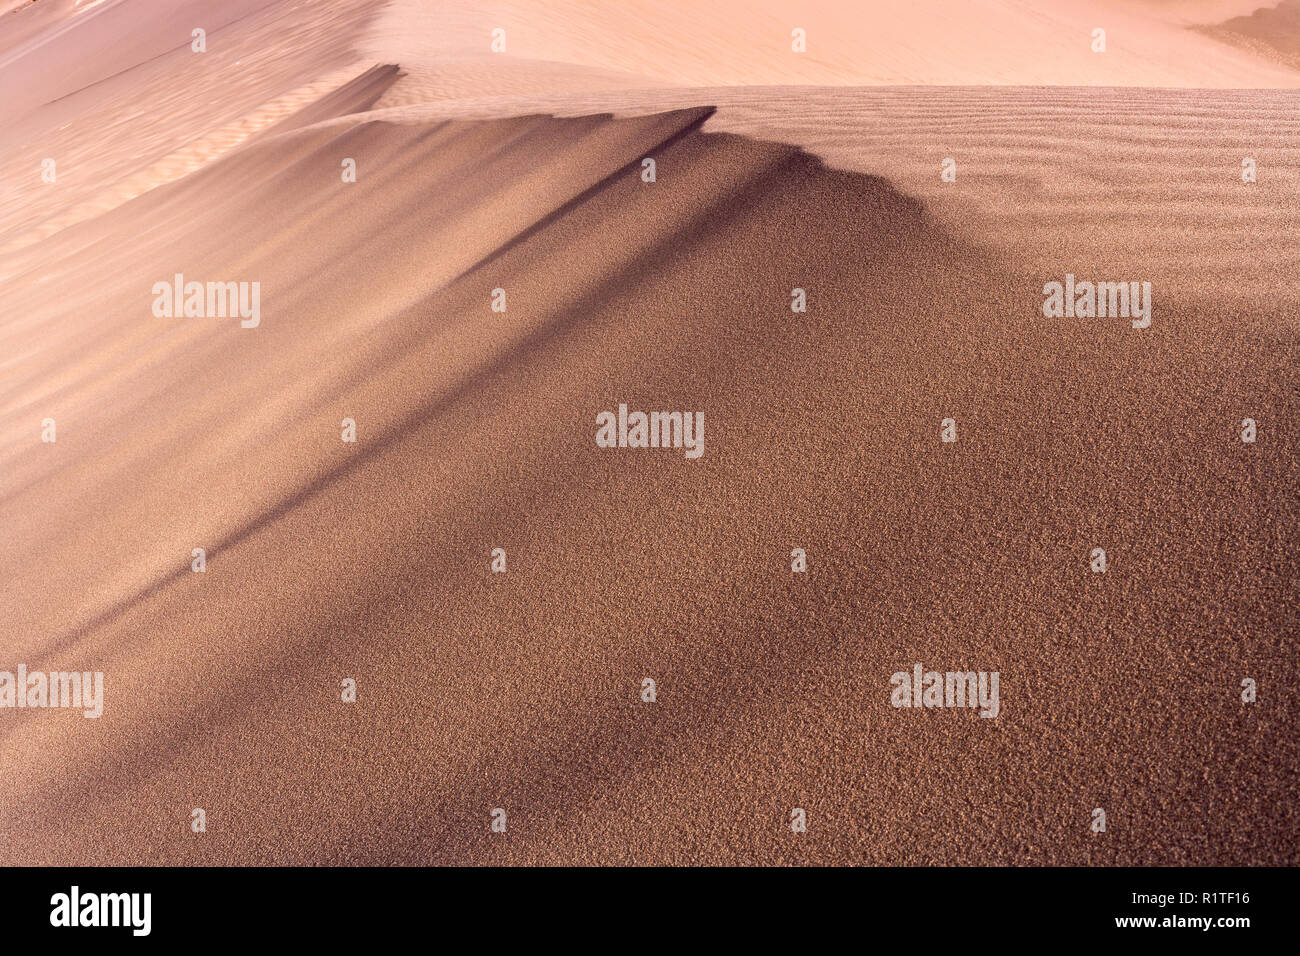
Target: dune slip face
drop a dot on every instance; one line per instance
(588, 468)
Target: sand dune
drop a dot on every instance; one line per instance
(894, 42)
(132, 116)
(475, 430)
(1271, 32)
(1071, 174)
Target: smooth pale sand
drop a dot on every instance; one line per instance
(476, 430)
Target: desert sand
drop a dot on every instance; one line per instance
(521, 171)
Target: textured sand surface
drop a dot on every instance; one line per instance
(1068, 175)
(476, 430)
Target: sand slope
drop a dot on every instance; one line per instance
(1129, 181)
(476, 430)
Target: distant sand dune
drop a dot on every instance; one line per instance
(354, 88)
(882, 42)
(1271, 32)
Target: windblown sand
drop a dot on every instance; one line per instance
(475, 431)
